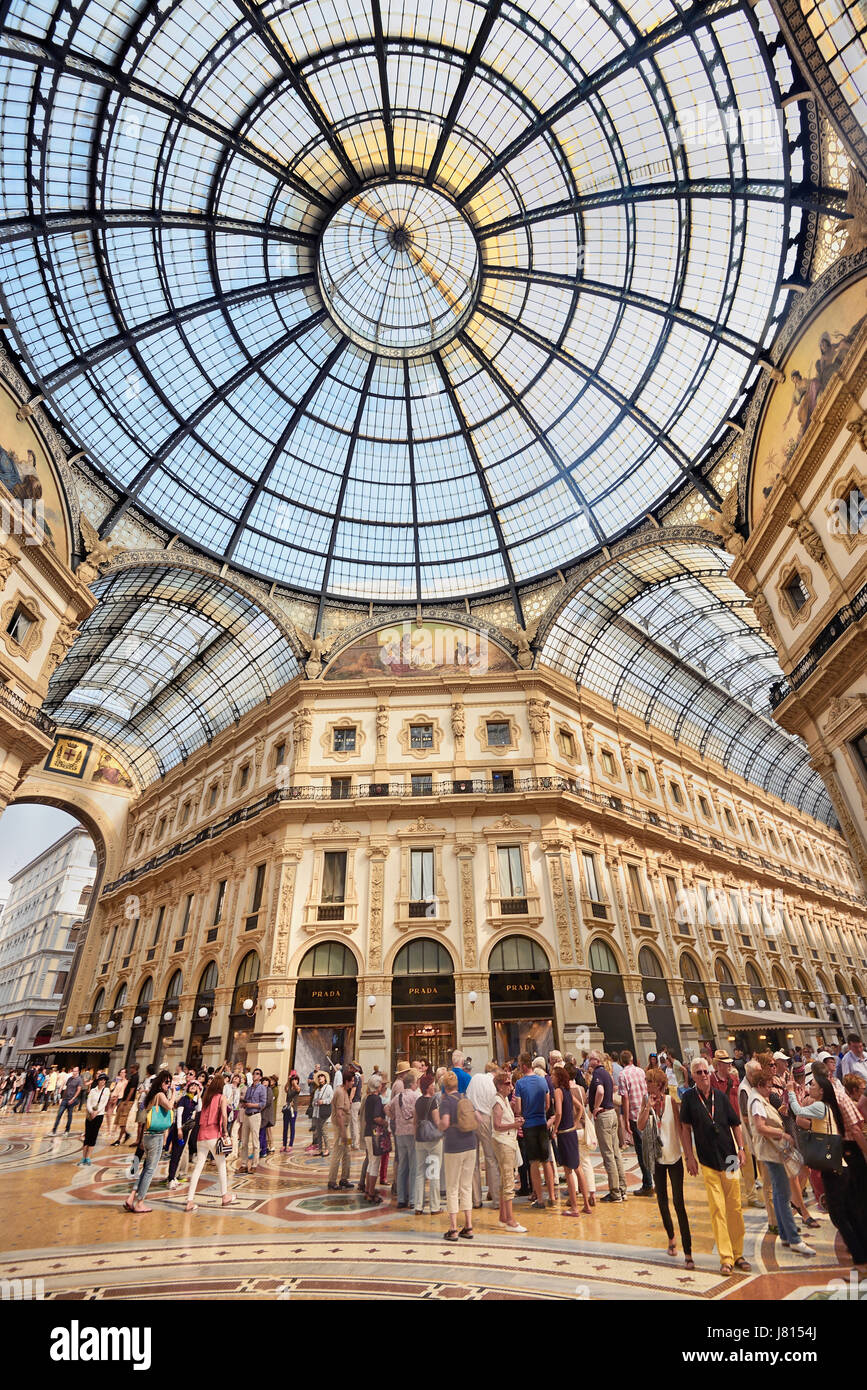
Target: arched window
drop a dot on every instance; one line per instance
(753, 977)
(98, 1003)
(146, 993)
(603, 959)
(176, 985)
(648, 964)
(120, 1000)
(248, 970)
(688, 969)
(210, 975)
(422, 957)
(723, 972)
(518, 953)
(329, 959)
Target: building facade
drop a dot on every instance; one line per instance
(384, 863)
(38, 930)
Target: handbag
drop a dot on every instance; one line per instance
(223, 1145)
(159, 1120)
(426, 1130)
(591, 1140)
(824, 1152)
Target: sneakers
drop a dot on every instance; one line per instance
(173, 1184)
(802, 1248)
(644, 1192)
(611, 1197)
(344, 1184)
(332, 1187)
(517, 1228)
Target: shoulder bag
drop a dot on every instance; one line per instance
(426, 1131)
(824, 1152)
(159, 1119)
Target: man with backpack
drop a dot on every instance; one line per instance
(457, 1119)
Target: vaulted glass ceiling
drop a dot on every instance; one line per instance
(664, 634)
(166, 661)
(396, 299)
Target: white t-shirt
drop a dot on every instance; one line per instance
(482, 1092)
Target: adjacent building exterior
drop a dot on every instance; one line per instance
(48, 898)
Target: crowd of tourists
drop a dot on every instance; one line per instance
(779, 1131)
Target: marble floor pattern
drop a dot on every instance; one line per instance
(287, 1237)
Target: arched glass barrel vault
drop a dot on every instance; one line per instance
(167, 660)
(563, 291)
(665, 635)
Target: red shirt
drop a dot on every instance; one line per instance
(728, 1086)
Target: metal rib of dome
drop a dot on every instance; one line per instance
(195, 199)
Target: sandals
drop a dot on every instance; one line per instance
(743, 1265)
(689, 1262)
(672, 1248)
(812, 1223)
(466, 1233)
(725, 1269)
(451, 1235)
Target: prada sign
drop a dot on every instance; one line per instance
(422, 990)
(336, 993)
(514, 988)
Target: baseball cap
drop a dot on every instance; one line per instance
(824, 1057)
(781, 1056)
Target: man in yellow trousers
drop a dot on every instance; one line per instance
(712, 1141)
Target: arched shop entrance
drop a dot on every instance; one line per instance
(522, 999)
(657, 1001)
(243, 1015)
(609, 998)
(140, 1023)
(695, 995)
(423, 1003)
(202, 1014)
(169, 1017)
(326, 996)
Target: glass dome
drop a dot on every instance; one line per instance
(400, 301)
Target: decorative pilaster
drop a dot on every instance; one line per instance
(466, 851)
(377, 854)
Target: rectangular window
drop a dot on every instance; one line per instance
(341, 788)
(730, 820)
(344, 740)
(704, 807)
(422, 784)
(676, 793)
(256, 900)
(643, 779)
(797, 593)
(636, 887)
(161, 828)
(185, 812)
(751, 827)
(502, 781)
(334, 876)
(280, 755)
(111, 940)
(499, 735)
(188, 907)
(567, 743)
(19, 624)
(60, 982)
(608, 762)
(132, 936)
(221, 898)
(421, 875)
(212, 796)
(421, 736)
(590, 877)
(860, 746)
(158, 925)
(243, 777)
(511, 871)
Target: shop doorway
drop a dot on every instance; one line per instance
(657, 1002)
(326, 998)
(522, 999)
(243, 1016)
(423, 1004)
(609, 998)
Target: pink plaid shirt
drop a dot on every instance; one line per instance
(633, 1085)
(852, 1117)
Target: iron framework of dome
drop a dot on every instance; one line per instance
(397, 301)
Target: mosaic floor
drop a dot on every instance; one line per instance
(287, 1237)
